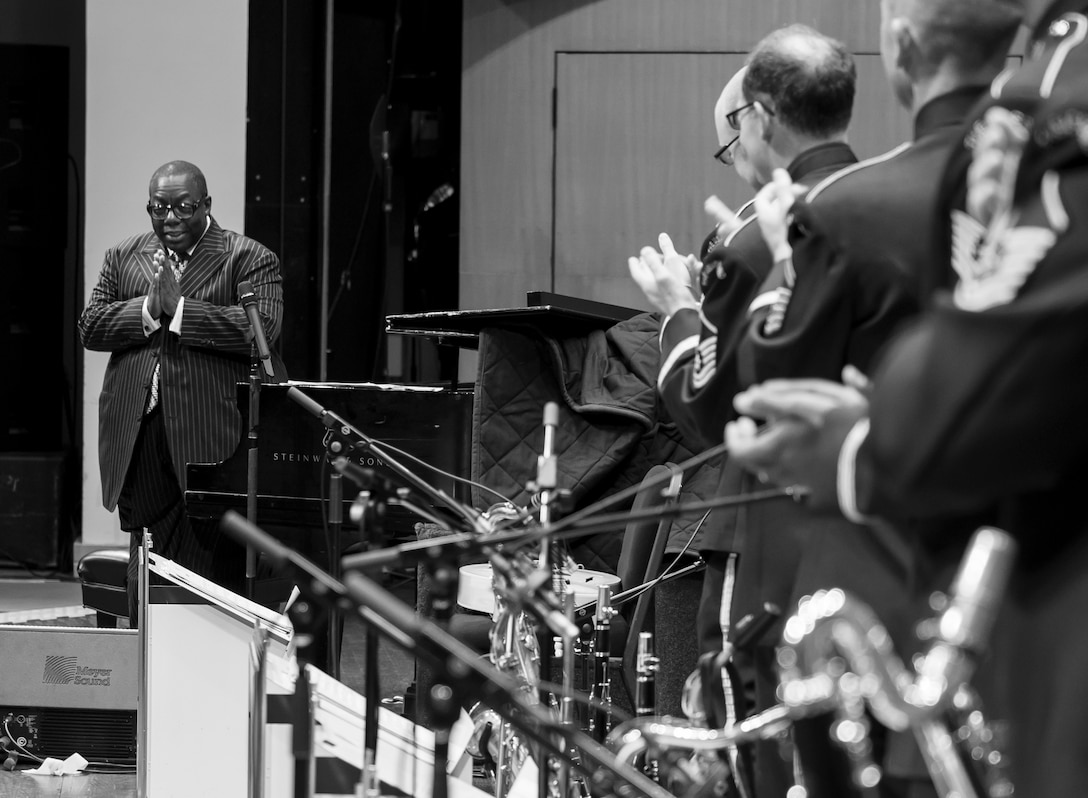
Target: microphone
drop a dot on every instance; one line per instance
(977, 590)
(247, 298)
(438, 196)
(252, 536)
(328, 418)
(965, 625)
(547, 477)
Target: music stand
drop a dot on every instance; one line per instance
(191, 703)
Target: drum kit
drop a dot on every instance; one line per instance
(544, 720)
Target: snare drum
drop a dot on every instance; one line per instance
(475, 591)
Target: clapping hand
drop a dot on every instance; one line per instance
(772, 205)
(164, 293)
(806, 423)
(725, 220)
(667, 278)
(169, 290)
(154, 300)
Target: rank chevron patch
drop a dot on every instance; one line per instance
(706, 362)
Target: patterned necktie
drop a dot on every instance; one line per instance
(177, 263)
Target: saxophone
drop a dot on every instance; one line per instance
(837, 657)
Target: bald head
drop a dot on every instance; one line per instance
(181, 169)
(731, 98)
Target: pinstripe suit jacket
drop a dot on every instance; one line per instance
(199, 369)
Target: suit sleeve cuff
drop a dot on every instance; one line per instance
(175, 323)
(847, 471)
(150, 324)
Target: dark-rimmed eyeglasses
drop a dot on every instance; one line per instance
(183, 210)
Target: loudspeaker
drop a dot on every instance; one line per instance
(70, 690)
(34, 227)
(32, 509)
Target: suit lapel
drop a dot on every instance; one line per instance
(145, 258)
(206, 260)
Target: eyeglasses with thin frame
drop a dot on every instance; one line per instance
(183, 210)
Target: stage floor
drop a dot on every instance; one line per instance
(93, 785)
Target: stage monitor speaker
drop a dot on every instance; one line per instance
(66, 690)
(36, 412)
(32, 529)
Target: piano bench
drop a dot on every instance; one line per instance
(103, 576)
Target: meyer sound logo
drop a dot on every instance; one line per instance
(61, 669)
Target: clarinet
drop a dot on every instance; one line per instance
(646, 665)
(600, 723)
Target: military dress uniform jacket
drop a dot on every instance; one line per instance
(986, 401)
(199, 369)
(727, 294)
(881, 213)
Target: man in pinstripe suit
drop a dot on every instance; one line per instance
(166, 309)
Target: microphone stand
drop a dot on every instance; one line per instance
(303, 619)
(478, 679)
(251, 467)
(369, 511)
(512, 540)
(551, 567)
(336, 522)
(442, 700)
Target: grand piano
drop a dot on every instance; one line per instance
(293, 470)
(434, 424)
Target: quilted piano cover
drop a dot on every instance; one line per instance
(612, 428)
